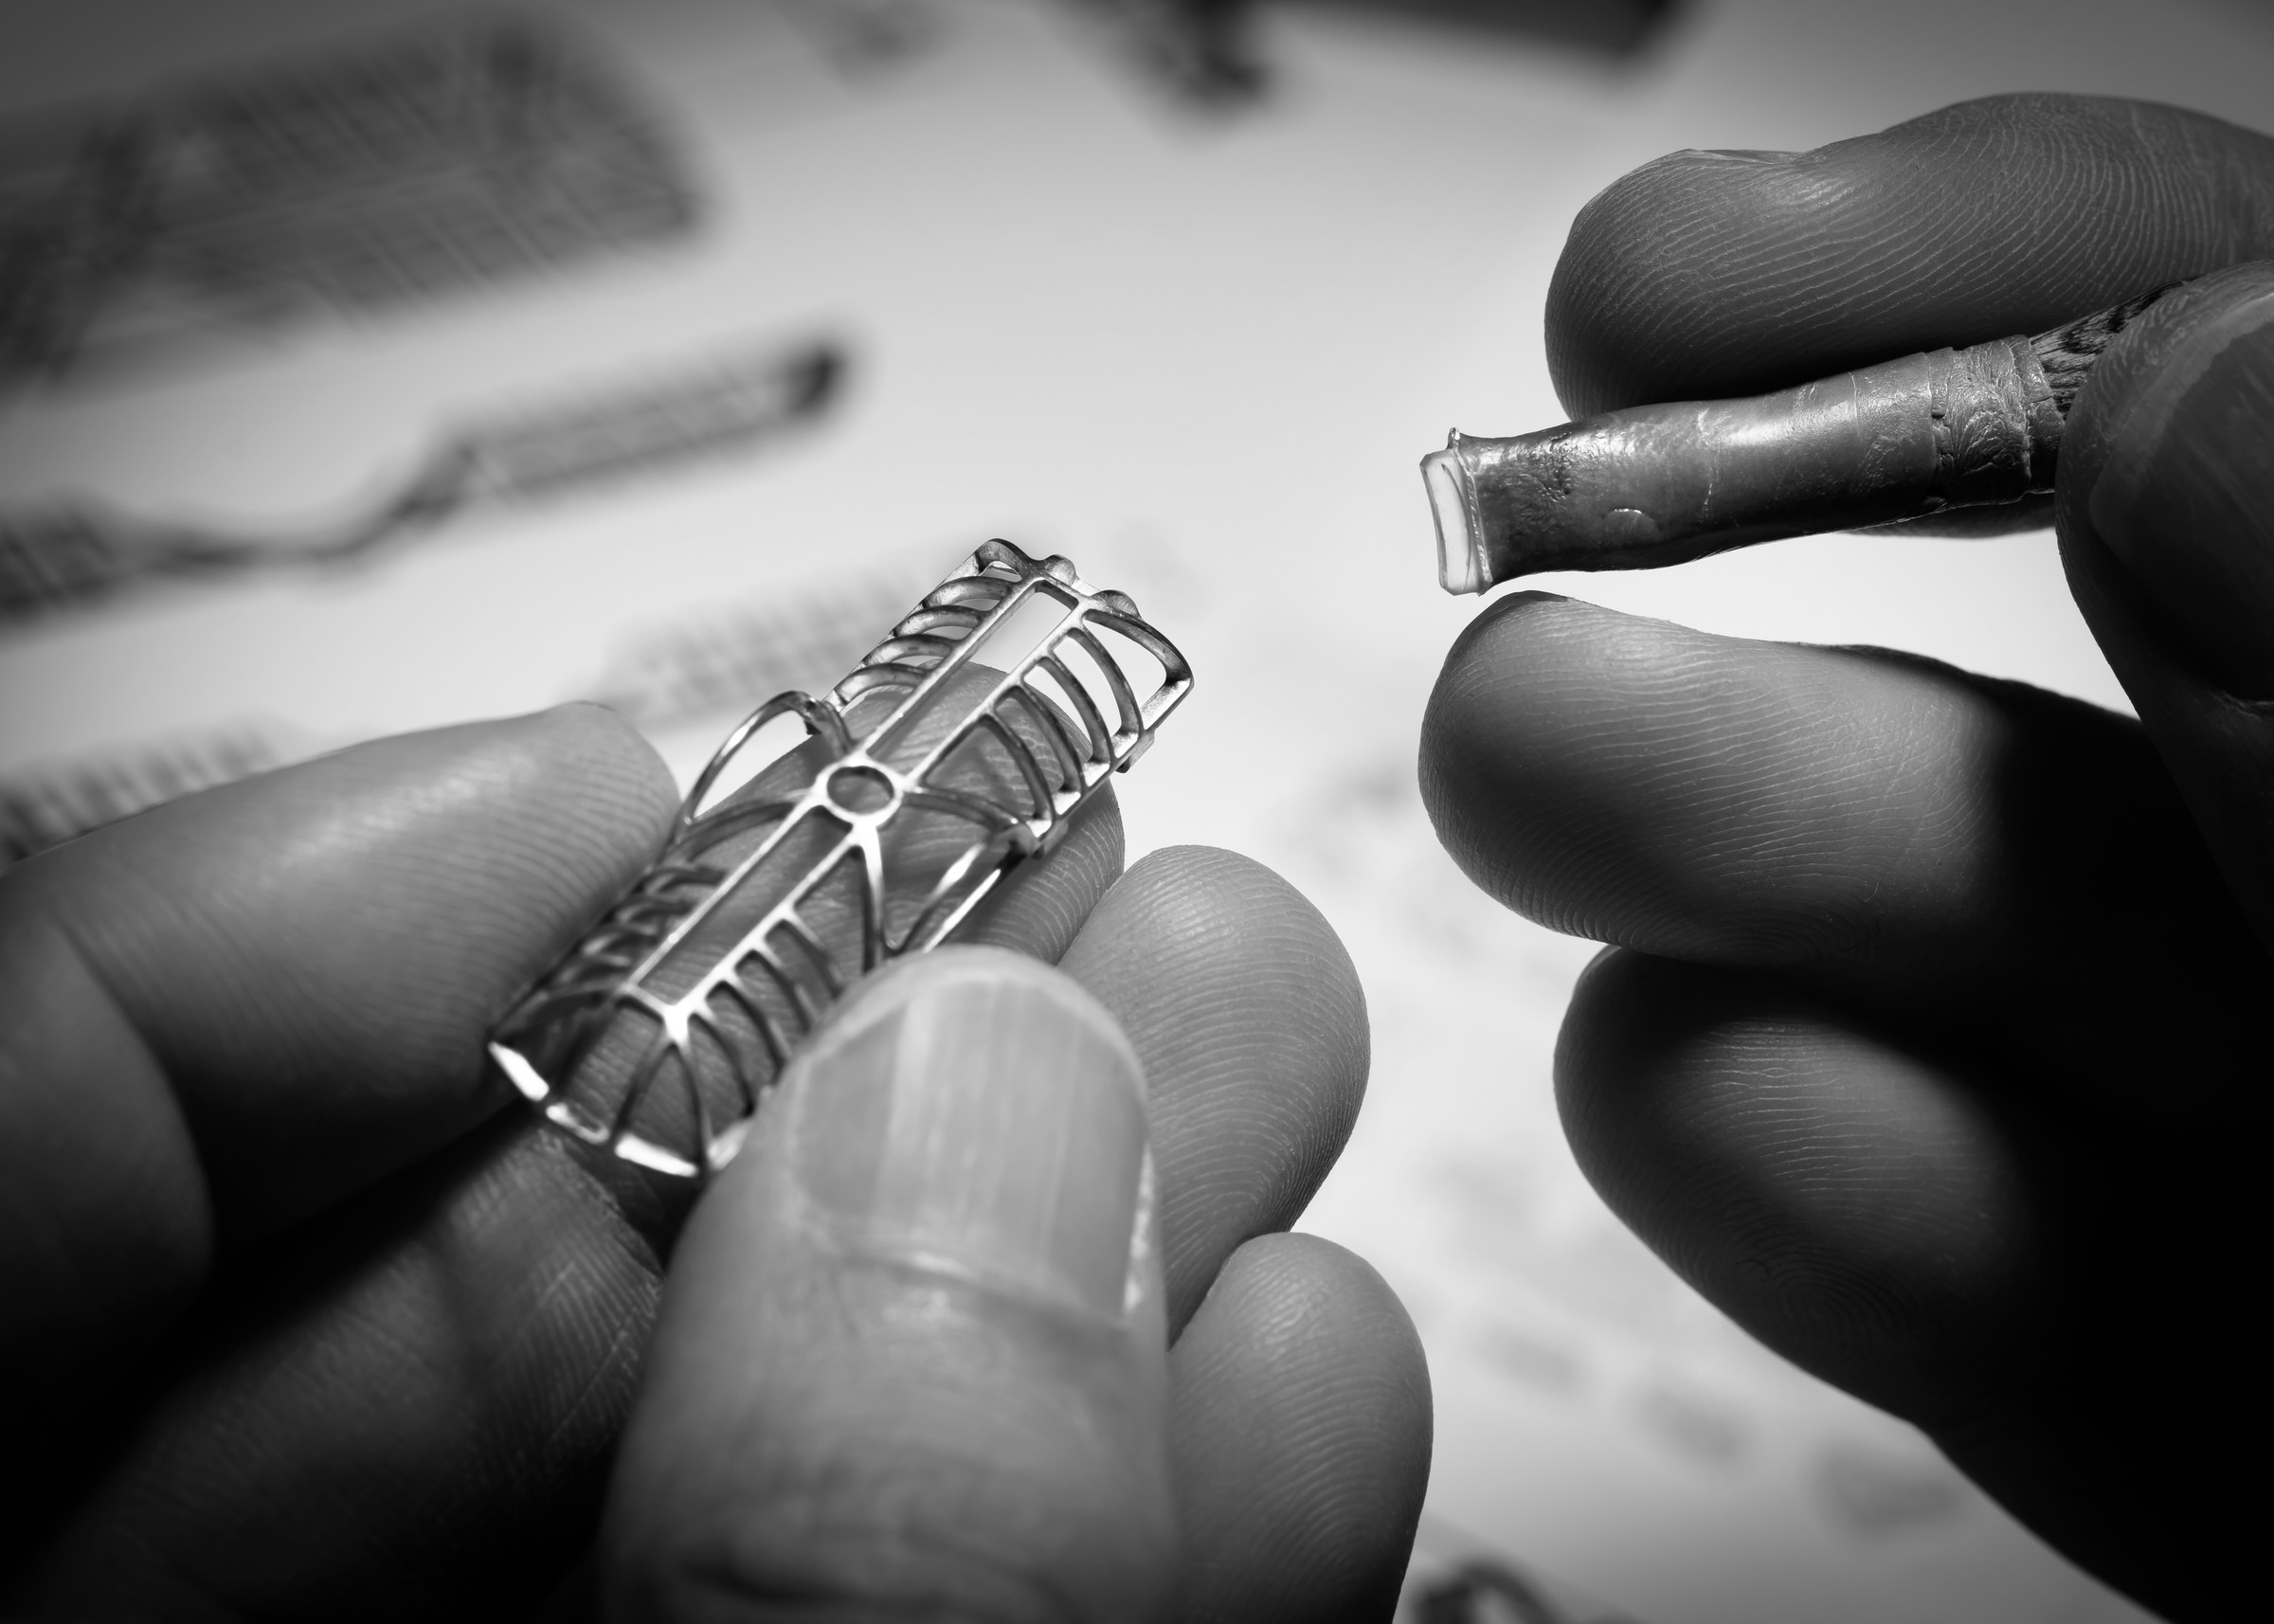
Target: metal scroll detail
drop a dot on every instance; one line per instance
(959, 747)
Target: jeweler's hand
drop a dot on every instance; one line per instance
(301, 1323)
(1934, 1044)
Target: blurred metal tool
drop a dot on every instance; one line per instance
(56, 558)
(959, 747)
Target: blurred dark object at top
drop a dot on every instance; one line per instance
(1483, 1591)
(403, 172)
(863, 37)
(1606, 28)
(1205, 52)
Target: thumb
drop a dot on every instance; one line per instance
(912, 1360)
(2166, 514)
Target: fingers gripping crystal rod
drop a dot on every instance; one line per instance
(1661, 484)
(961, 747)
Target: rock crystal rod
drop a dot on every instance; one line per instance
(1661, 484)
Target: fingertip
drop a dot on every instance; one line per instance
(313, 955)
(1461, 727)
(475, 850)
(1499, 620)
(1844, 1197)
(1710, 274)
(1217, 911)
(1041, 907)
(1483, 667)
(1252, 1023)
(1528, 760)
(608, 749)
(574, 801)
(1218, 967)
(1619, 266)
(1625, 1007)
(1302, 1437)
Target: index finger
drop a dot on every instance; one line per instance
(233, 1009)
(1707, 275)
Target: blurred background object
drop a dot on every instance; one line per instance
(1206, 54)
(1194, 341)
(390, 173)
(717, 408)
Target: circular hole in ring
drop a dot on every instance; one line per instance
(860, 790)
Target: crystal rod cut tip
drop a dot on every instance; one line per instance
(1460, 562)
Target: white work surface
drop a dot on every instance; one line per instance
(1201, 357)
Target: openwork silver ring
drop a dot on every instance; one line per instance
(958, 749)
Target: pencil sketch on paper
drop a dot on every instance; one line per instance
(666, 676)
(400, 173)
(79, 552)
